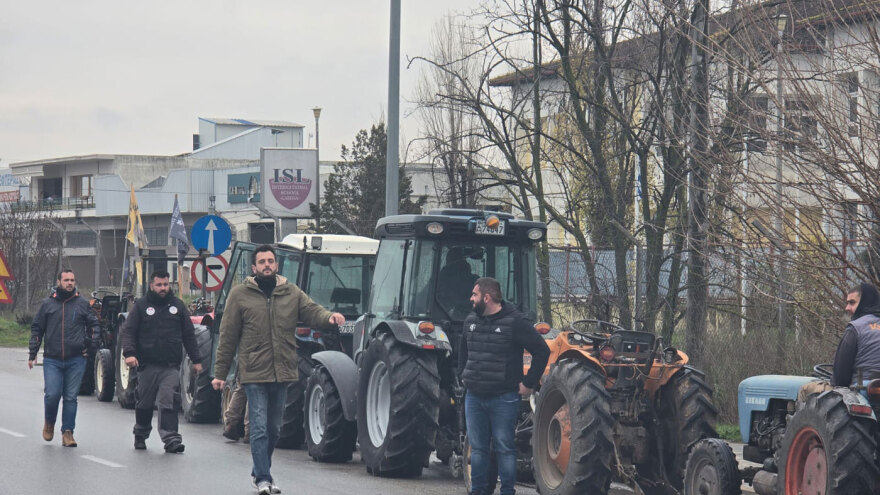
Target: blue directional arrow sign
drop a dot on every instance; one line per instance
(211, 233)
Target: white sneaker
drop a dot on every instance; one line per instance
(275, 488)
(264, 488)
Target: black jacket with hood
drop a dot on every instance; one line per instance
(65, 324)
(859, 348)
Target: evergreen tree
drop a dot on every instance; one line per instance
(354, 195)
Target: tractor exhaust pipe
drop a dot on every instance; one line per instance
(764, 483)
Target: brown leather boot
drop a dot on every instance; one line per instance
(48, 431)
(67, 439)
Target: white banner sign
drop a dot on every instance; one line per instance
(289, 181)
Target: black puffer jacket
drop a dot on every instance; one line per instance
(66, 324)
(157, 330)
(491, 352)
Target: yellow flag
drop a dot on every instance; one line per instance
(135, 233)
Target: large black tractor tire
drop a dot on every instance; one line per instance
(126, 378)
(292, 432)
(398, 407)
(87, 385)
(826, 450)
(573, 415)
(329, 436)
(198, 399)
(687, 415)
(712, 469)
(491, 473)
(104, 375)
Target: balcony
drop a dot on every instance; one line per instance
(54, 204)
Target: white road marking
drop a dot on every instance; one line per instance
(102, 461)
(10, 432)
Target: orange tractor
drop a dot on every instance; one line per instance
(618, 405)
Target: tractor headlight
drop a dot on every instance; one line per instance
(435, 228)
(535, 234)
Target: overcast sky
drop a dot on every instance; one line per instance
(110, 76)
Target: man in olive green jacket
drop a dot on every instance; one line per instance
(260, 320)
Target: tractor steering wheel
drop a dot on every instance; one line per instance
(823, 371)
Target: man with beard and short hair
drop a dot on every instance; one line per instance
(157, 330)
(260, 320)
(490, 364)
(859, 348)
(67, 328)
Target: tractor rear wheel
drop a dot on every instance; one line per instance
(572, 444)
(105, 380)
(292, 432)
(687, 415)
(198, 399)
(712, 469)
(826, 450)
(87, 385)
(398, 407)
(329, 436)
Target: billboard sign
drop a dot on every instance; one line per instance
(243, 188)
(289, 179)
(10, 186)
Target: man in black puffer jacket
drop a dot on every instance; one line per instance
(491, 368)
(157, 330)
(66, 327)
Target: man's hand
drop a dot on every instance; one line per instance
(523, 390)
(217, 384)
(197, 367)
(131, 362)
(31, 363)
(337, 319)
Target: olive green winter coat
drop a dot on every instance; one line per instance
(264, 331)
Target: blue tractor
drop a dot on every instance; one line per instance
(826, 444)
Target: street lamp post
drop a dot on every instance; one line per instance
(317, 113)
(781, 21)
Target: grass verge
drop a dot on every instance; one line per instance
(12, 333)
(729, 433)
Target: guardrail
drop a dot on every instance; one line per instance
(54, 204)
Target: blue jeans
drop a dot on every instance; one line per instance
(265, 411)
(62, 378)
(492, 419)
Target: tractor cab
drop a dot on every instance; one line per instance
(427, 266)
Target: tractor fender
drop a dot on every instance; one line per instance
(853, 398)
(580, 355)
(404, 333)
(344, 373)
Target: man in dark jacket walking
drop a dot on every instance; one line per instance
(491, 368)
(153, 337)
(66, 327)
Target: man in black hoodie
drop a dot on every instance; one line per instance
(491, 368)
(66, 327)
(157, 330)
(859, 348)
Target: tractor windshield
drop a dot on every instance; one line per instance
(444, 292)
(339, 283)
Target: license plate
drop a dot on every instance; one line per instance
(483, 229)
(347, 327)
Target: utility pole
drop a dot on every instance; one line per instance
(392, 165)
(317, 113)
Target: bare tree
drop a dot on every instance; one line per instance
(33, 249)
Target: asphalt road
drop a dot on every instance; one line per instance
(106, 463)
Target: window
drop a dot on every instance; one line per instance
(81, 186)
(850, 86)
(756, 123)
(156, 236)
(385, 290)
(800, 125)
(81, 239)
(338, 282)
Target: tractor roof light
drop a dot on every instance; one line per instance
(492, 221)
(874, 392)
(535, 234)
(542, 328)
(607, 353)
(426, 327)
(435, 228)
